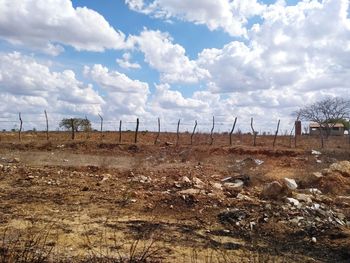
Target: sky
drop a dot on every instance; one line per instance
(170, 59)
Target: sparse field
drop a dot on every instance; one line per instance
(94, 200)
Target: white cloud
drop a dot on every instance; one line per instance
(125, 62)
(231, 16)
(172, 99)
(49, 24)
(303, 47)
(124, 95)
(25, 79)
(168, 58)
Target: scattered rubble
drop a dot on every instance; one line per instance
(341, 167)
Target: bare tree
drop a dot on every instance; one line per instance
(326, 113)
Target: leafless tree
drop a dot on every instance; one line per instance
(326, 113)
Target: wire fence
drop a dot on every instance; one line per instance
(204, 126)
(218, 125)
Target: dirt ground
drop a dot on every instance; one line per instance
(95, 200)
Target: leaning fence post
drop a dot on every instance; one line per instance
(349, 130)
(137, 129)
(177, 132)
(274, 139)
(211, 132)
(47, 126)
(120, 131)
(20, 126)
(254, 134)
(155, 141)
(101, 118)
(233, 127)
(73, 128)
(194, 129)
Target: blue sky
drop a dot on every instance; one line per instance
(172, 59)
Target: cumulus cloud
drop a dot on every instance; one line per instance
(125, 62)
(231, 16)
(30, 86)
(296, 56)
(47, 25)
(125, 96)
(303, 47)
(168, 58)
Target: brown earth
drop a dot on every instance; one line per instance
(94, 200)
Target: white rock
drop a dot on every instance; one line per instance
(190, 191)
(304, 198)
(316, 176)
(16, 160)
(186, 180)
(314, 191)
(258, 162)
(217, 186)
(290, 183)
(243, 197)
(292, 201)
(226, 179)
(197, 183)
(238, 184)
(314, 152)
(313, 239)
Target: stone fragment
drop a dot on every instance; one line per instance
(186, 180)
(292, 201)
(217, 186)
(314, 152)
(197, 183)
(303, 197)
(237, 185)
(290, 183)
(273, 190)
(190, 191)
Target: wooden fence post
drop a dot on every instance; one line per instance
(212, 131)
(155, 141)
(233, 127)
(177, 132)
(291, 136)
(101, 118)
(20, 126)
(254, 133)
(194, 130)
(47, 125)
(137, 129)
(120, 131)
(73, 128)
(274, 139)
(349, 130)
(88, 129)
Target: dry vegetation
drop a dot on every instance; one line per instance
(94, 200)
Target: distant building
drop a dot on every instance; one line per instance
(335, 130)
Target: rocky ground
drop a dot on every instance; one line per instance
(104, 202)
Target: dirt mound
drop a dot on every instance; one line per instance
(265, 151)
(334, 183)
(336, 179)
